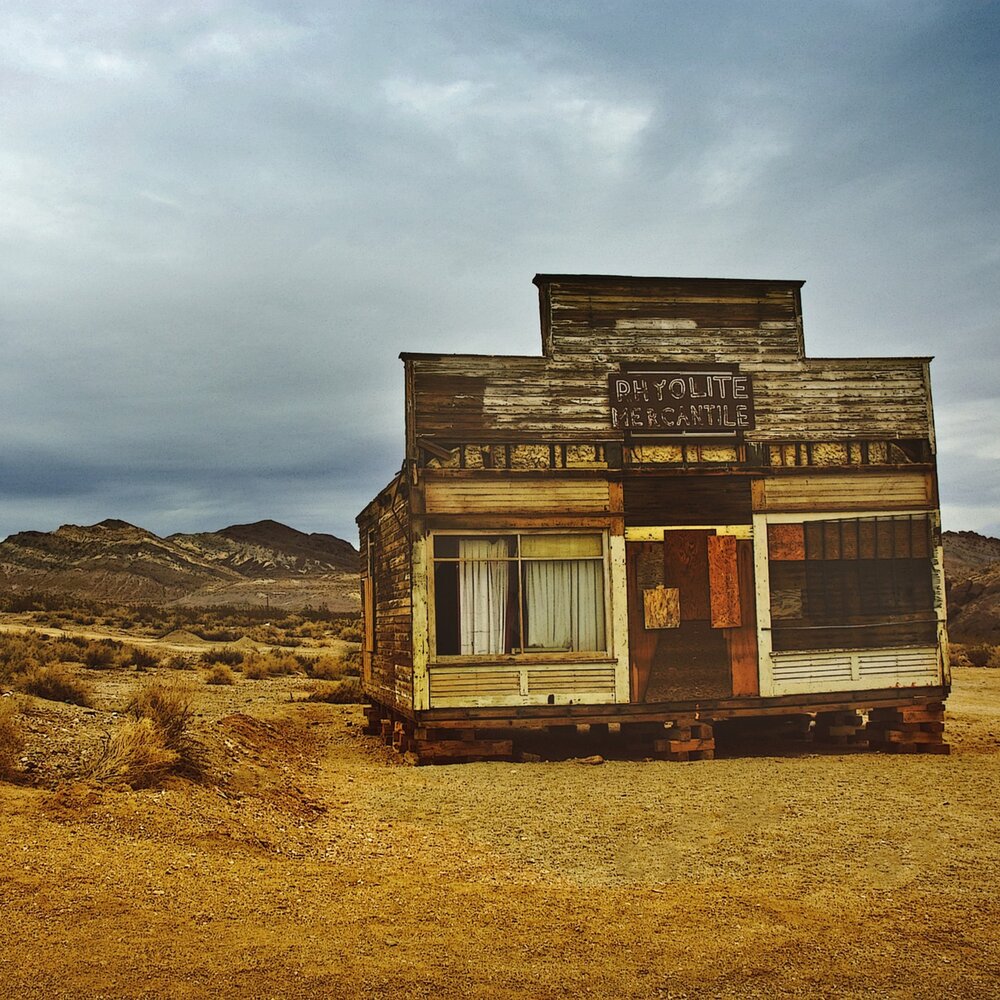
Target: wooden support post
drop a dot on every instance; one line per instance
(685, 739)
(841, 729)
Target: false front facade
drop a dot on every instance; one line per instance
(673, 514)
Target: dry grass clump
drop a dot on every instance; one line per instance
(54, 683)
(153, 743)
(11, 740)
(169, 707)
(220, 674)
(257, 666)
(327, 668)
(983, 655)
(136, 754)
(228, 655)
(343, 692)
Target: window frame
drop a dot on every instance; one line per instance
(522, 656)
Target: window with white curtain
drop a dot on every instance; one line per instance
(519, 593)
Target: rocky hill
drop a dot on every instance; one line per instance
(259, 563)
(972, 567)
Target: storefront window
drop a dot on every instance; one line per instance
(518, 593)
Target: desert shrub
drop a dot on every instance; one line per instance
(217, 634)
(135, 754)
(66, 650)
(350, 633)
(179, 662)
(257, 666)
(19, 654)
(11, 740)
(55, 682)
(220, 674)
(139, 657)
(343, 692)
(326, 668)
(979, 656)
(267, 633)
(226, 654)
(100, 655)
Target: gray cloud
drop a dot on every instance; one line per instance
(222, 222)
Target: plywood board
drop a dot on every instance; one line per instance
(662, 607)
(724, 584)
(686, 568)
(742, 642)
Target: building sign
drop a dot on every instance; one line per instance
(711, 401)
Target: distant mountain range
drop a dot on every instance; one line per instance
(261, 563)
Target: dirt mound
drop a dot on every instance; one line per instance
(182, 637)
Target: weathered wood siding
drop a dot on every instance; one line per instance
(535, 399)
(590, 327)
(844, 491)
(387, 669)
(498, 496)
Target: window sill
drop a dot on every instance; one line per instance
(520, 658)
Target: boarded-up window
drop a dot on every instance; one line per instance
(851, 583)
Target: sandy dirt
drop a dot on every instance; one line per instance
(311, 863)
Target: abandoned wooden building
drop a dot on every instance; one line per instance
(671, 518)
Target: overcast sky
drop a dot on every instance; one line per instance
(220, 222)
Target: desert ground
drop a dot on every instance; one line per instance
(308, 861)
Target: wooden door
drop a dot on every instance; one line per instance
(692, 629)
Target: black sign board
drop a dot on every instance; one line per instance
(706, 401)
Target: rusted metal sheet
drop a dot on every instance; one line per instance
(785, 541)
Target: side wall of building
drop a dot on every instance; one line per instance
(386, 593)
